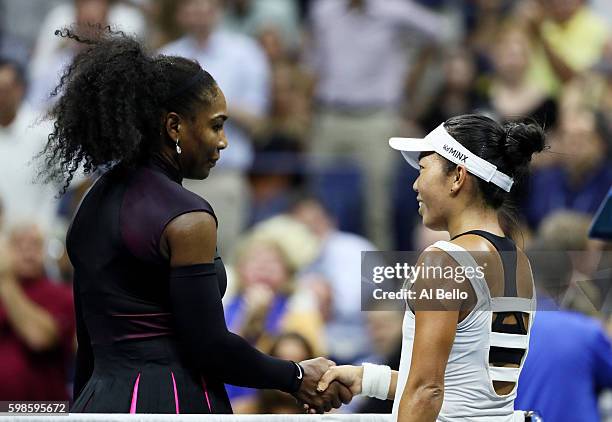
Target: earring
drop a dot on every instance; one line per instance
(178, 148)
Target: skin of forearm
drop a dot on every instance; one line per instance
(31, 323)
(421, 404)
(559, 66)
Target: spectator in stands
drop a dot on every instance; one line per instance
(163, 27)
(582, 176)
(568, 231)
(276, 48)
(51, 54)
(289, 119)
(36, 322)
(289, 346)
(482, 21)
(360, 63)
(568, 38)
(274, 176)
(268, 301)
(21, 139)
(512, 95)
(338, 265)
(570, 357)
(278, 168)
(384, 329)
(239, 66)
(457, 92)
(249, 17)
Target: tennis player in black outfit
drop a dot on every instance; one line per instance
(148, 282)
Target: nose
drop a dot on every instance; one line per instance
(223, 142)
(415, 186)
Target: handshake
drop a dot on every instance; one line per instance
(326, 386)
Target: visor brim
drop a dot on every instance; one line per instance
(411, 148)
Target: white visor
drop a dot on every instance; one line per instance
(440, 141)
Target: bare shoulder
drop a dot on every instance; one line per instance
(433, 256)
(437, 288)
(190, 238)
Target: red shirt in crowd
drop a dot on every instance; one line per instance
(30, 375)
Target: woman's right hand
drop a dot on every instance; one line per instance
(350, 376)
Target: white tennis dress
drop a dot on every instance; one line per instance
(468, 381)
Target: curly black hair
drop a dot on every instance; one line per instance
(112, 100)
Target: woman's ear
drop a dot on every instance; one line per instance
(173, 125)
(459, 176)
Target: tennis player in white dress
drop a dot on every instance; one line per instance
(463, 352)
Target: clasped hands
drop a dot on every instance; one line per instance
(326, 386)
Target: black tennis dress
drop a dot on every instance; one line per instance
(134, 355)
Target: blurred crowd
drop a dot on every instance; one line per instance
(315, 89)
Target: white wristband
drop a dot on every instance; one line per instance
(376, 381)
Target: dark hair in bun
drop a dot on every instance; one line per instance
(522, 140)
(509, 147)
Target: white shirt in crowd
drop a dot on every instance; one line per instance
(283, 15)
(53, 53)
(361, 57)
(24, 198)
(241, 69)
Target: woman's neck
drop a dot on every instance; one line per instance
(474, 218)
(167, 162)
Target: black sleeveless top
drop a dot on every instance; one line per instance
(122, 301)
(120, 276)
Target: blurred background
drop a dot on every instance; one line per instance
(315, 89)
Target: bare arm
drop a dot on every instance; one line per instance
(561, 68)
(31, 322)
(424, 392)
(533, 14)
(435, 328)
